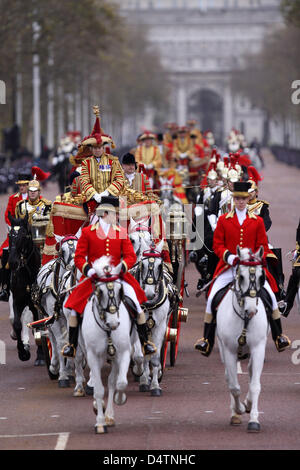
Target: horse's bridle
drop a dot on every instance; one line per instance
(150, 278)
(251, 291)
(113, 304)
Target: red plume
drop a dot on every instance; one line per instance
(253, 174)
(39, 174)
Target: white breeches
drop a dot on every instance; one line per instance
(227, 277)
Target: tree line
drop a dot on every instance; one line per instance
(87, 55)
(266, 78)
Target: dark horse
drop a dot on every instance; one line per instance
(24, 262)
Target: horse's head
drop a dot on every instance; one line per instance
(139, 231)
(108, 290)
(250, 278)
(66, 247)
(151, 268)
(20, 241)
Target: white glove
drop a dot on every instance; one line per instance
(104, 193)
(232, 260)
(97, 197)
(91, 272)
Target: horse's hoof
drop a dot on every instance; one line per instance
(144, 388)
(79, 392)
(156, 392)
(120, 398)
(63, 383)
(100, 429)
(53, 375)
(89, 390)
(24, 355)
(253, 427)
(109, 421)
(39, 362)
(235, 421)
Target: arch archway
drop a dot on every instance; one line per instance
(207, 107)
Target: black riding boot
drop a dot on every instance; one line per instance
(69, 350)
(292, 289)
(205, 345)
(147, 346)
(281, 341)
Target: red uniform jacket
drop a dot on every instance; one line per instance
(251, 234)
(93, 244)
(11, 207)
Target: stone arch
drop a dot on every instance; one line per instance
(207, 107)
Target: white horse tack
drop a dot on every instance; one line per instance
(241, 316)
(106, 334)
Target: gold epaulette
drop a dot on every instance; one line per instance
(264, 202)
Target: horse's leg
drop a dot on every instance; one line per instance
(112, 378)
(231, 376)
(137, 356)
(158, 338)
(23, 351)
(123, 361)
(27, 317)
(79, 390)
(95, 363)
(257, 359)
(59, 341)
(144, 379)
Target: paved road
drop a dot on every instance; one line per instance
(193, 412)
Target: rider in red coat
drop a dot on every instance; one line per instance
(105, 239)
(22, 183)
(239, 228)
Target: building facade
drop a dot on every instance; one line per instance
(201, 42)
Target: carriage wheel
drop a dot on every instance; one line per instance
(174, 344)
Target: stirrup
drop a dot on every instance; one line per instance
(285, 343)
(149, 348)
(202, 345)
(68, 350)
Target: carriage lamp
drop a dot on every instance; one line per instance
(171, 334)
(176, 233)
(183, 314)
(38, 230)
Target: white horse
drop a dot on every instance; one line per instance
(106, 334)
(49, 280)
(242, 319)
(153, 280)
(138, 231)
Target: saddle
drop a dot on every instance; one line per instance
(218, 299)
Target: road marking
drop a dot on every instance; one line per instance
(60, 443)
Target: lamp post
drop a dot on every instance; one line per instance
(36, 93)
